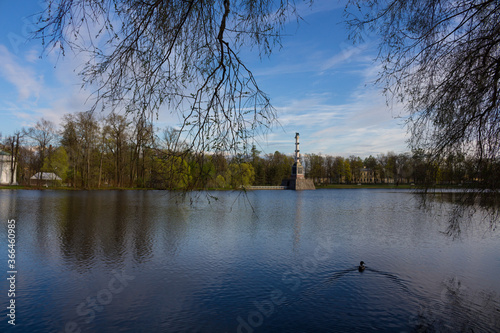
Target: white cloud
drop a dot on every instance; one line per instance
(348, 53)
(320, 62)
(363, 126)
(318, 6)
(25, 80)
(38, 96)
(32, 56)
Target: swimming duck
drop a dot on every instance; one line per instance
(361, 266)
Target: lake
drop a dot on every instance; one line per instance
(265, 261)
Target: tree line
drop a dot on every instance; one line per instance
(405, 168)
(118, 151)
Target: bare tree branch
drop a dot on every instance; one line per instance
(177, 56)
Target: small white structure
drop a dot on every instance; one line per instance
(6, 169)
(45, 179)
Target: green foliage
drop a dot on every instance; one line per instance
(370, 162)
(57, 162)
(355, 164)
(202, 171)
(174, 172)
(240, 174)
(278, 166)
(316, 167)
(220, 181)
(347, 171)
(337, 171)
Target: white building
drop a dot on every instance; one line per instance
(45, 179)
(6, 170)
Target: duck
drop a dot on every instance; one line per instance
(361, 266)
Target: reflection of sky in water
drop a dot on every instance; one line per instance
(199, 265)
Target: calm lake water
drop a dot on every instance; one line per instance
(268, 261)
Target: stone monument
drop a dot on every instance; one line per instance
(297, 181)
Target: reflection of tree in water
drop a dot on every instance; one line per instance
(466, 209)
(459, 309)
(141, 220)
(77, 228)
(112, 233)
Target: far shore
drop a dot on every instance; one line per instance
(329, 186)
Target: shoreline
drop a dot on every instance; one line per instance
(319, 187)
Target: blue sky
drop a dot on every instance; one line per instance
(319, 83)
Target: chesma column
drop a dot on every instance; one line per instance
(297, 180)
(297, 168)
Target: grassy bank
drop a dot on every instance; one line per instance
(67, 188)
(374, 186)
